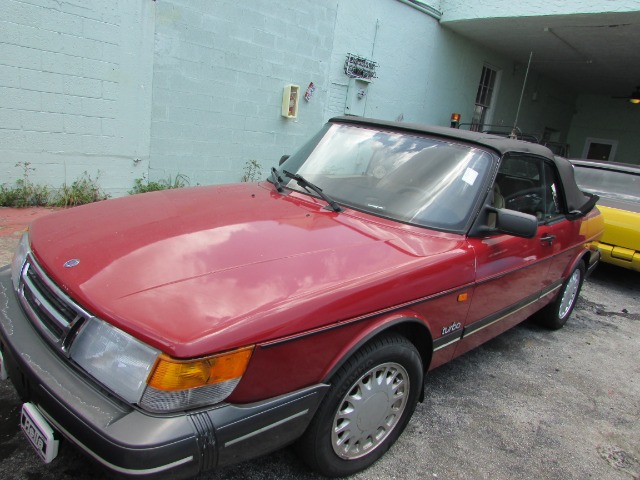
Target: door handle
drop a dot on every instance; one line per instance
(548, 239)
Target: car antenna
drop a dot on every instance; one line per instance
(524, 84)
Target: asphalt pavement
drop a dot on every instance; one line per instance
(529, 404)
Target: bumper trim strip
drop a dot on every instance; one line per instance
(264, 429)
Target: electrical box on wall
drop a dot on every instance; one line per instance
(356, 96)
(290, 97)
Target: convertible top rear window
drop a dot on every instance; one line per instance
(422, 180)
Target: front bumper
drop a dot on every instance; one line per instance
(128, 440)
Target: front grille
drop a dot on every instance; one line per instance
(53, 327)
(53, 313)
(67, 312)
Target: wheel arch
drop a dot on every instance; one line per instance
(410, 327)
(584, 257)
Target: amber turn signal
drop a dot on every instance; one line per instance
(172, 374)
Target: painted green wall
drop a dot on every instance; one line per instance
(426, 81)
(154, 89)
(609, 119)
(472, 9)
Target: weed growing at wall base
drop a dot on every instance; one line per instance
(82, 191)
(252, 171)
(23, 193)
(141, 185)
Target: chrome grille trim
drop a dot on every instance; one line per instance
(50, 310)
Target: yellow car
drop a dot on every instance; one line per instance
(618, 186)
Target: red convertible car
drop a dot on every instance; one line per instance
(175, 332)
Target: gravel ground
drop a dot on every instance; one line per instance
(528, 404)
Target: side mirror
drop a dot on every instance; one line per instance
(283, 158)
(515, 223)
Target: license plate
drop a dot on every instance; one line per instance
(38, 432)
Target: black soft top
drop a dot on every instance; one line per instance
(577, 200)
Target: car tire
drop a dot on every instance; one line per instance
(555, 315)
(371, 400)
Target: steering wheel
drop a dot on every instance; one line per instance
(525, 201)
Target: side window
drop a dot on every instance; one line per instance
(529, 185)
(553, 205)
(520, 181)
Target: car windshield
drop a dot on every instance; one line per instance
(422, 180)
(608, 183)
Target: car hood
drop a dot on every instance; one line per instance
(204, 269)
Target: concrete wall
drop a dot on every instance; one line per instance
(75, 94)
(156, 89)
(219, 72)
(609, 119)
(545, 104)
(473, 9)
(399, 38)
(426, 81)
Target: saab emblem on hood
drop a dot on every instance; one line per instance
(71, 263)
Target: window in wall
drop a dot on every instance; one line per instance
(599, 149)
(483, 97)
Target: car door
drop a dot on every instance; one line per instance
(512, 272)
(559, 232)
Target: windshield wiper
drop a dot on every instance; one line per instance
(307, 185)
(277, 179)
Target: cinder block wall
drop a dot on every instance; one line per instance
(75, 93)
(152, 89)
(125, 90)
(219, 75)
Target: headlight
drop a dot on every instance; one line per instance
(114, 358)
(18, 260)
(141, 374)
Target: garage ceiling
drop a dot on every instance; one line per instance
(593, 54)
